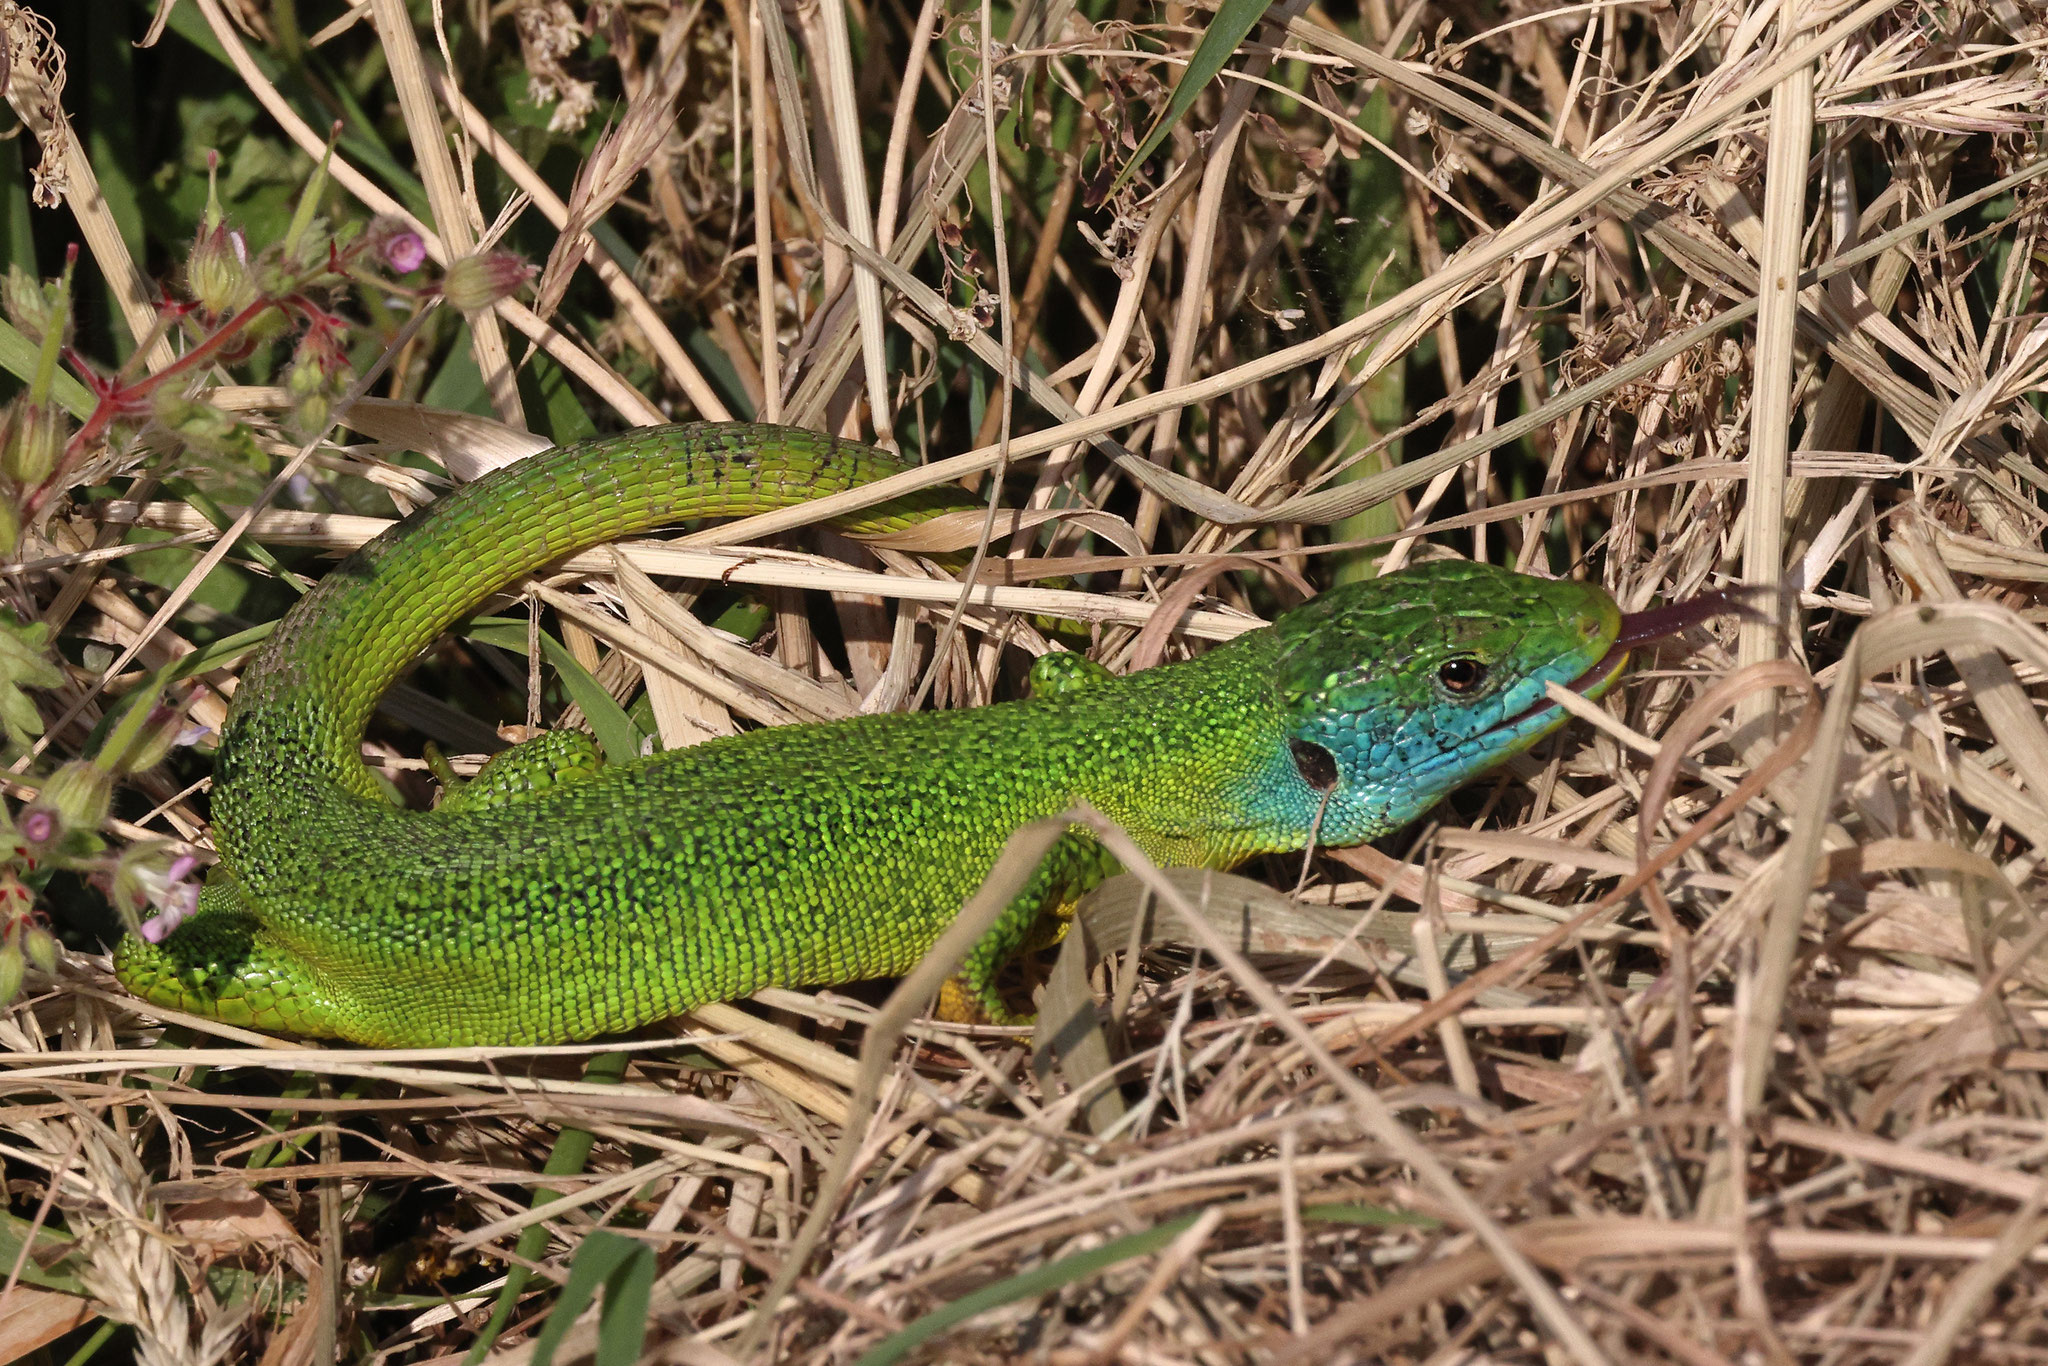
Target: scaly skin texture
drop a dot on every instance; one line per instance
(598, 898)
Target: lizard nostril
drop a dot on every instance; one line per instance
(1318, 767)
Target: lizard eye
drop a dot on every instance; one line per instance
(1317, 766)
(1462, 676)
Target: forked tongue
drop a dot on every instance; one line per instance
(1658, 623)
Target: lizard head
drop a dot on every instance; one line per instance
(1394, 691)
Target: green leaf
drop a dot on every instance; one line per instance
(458, 384)
(625, 1269)
(44, 1268)
(213, 654)
(1234, 19)
(1025, 1285)
(608, 720)
(568, 420)
(24, 663)
(1371, 1216)
(622, 1326)
(19, 357)
(359, 140)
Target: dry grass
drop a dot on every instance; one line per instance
(1720, 1035)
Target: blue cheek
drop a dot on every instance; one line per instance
(1365, 808)
(1397, 753)
(1376, 787)
(1391, 775)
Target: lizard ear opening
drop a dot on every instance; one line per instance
(1317, 766)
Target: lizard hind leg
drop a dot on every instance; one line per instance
(223, 965)
(549, 760)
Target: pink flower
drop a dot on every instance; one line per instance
(396, 244)
(178, 899)
(405, 252)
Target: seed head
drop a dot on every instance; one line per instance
(476, 282)
(217, 273)
(32, 437)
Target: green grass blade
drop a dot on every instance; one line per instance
(1043, 1279)
(49, 1267)
(626, 1271)
(1368, 1216)
(1234, 19)
(91, 1346)
(571, 1152)
(1027, 1284)
(622, 1327)
(18, 357)
(1382, 263)
(614, 729)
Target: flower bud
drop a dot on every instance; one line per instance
(79, 795)
(217, 273)
(476, 282)
(306, 377)
(312, 413)
(11, 970)
(308, 385)
(143, 738)
(318, 372)
(394, 243)
(33, 306)
(32, 437)
(38, 826)
(41, 947)
(21, 294)
(159, 737)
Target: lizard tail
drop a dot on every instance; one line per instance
(294, 733)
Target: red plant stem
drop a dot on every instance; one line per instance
(114, 401)
(114, 398)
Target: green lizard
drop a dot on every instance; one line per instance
(557, 898)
